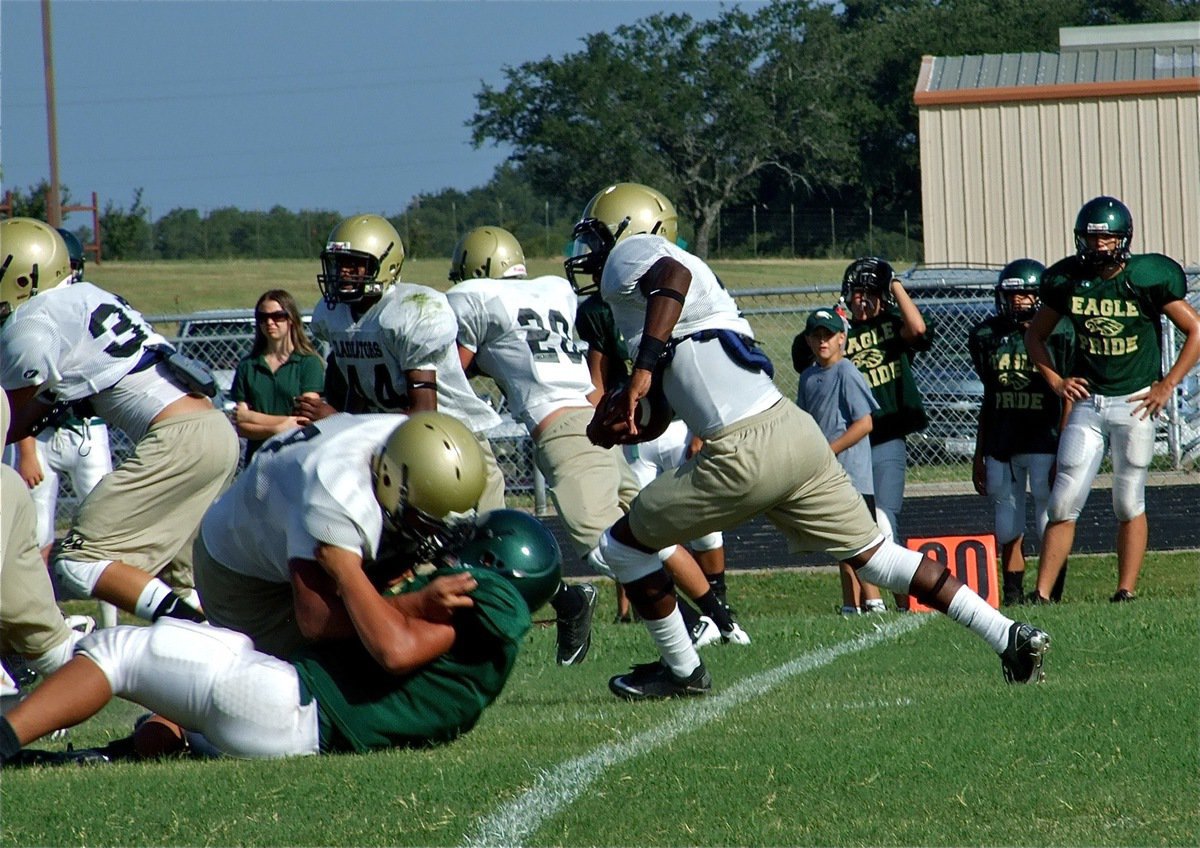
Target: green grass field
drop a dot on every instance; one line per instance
(877, 731)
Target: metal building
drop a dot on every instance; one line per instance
(1013, 144)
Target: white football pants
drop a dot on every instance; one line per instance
(1006, 483)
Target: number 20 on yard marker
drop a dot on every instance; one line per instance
(972, 559)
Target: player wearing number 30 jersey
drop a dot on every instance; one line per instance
(80, 344)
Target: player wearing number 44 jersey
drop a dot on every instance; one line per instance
(79, 344)
(393, 345)
(761, 455)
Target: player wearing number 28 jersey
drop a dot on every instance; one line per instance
(80, 343)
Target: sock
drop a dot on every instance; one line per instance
(716, 582)
(173, 606)
(152, 596)
(977, 615)
(1056, 592)
(674, 643)
(690, 617)
(1014, 584)
(10, 745)
(108, 614)
(711, 606)
(566, 603)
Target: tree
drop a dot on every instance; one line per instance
(32, 202)
(701, 110)
(126, 234)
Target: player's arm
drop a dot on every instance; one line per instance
(1154, 400)
(466, 358)
(422, 390)
(665, 286)
(28, 410)
(855, 433)
(1043, 324)
(406, 634)
(28, 465)
(913, 323)
(320, 613)
(597, 364)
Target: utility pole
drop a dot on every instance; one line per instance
(54, 201)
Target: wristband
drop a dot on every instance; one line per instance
(649, 352)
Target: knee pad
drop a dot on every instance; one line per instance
(627, 563)
(57, 656)
(596, 560)
(78, 578)
(891, 567)
(709, 542)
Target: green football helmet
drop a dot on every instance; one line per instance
(487, 253)
(619, 211)
(1102, 216)
(1021, 276)
(520, 547)
(75, 251)
(372, 249)
(428, 477)
(35, 257)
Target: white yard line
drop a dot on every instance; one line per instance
(555, 789)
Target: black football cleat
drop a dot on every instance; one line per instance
(1022, 660)
(654, 681)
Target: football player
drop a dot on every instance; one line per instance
(520, 332)
(1020, 417)
(78, 345)
(348, 489)
(1114, 300)
(762, 454)
(78, 447)
(392, 344)
(31, 625)
(427, 662)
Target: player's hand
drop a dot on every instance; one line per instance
(609, 425)
(311, 408)
(636, 389)
(695, 445)
(979, 475)
(30, 469)
(446, 594)
(1152, 401)
(1073, 389)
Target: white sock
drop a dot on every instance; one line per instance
(108, 614)
(150, 598)
(192, 598)
(976, 614)
(674, 643)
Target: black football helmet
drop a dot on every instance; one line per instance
(871, 274)
(75, 251)
(1021, 276)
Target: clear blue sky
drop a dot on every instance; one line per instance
(350, 106)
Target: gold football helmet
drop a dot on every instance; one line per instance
(362, 257)
(487, 253)
(428, 478)
(619, 211)
(35, 257)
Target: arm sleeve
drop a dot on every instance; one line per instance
(472, 320)
(312, 374)
(239, 391)
(418, 333)
(860, 400)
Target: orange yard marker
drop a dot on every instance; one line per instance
(972, 559)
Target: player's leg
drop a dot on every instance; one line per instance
(1080, 450)
(1009, 519)
(1131, 442)
(493, 489)
(889, 465)
(74, 693)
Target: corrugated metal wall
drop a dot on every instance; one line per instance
(1004, 180)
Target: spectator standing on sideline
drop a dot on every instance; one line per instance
(762, 454)
(1114, 301)
(77, 447)
(886, 330)
(393, 345)
(1019, 420)
(838, 398)
(82, 345)
(282, 366)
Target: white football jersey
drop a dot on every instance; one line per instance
(80, 341)
(522, 334)
(304, 487)
(704, 385)
(411, 328)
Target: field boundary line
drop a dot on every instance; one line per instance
(556, 788)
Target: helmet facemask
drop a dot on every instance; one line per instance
(1021, 276)
(1099, 217)
(872, 278)
(589, 251)
(350, 275)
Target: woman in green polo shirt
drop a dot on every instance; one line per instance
(282, 365)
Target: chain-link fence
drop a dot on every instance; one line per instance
(952, 299)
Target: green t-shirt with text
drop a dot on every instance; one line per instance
(879, 351)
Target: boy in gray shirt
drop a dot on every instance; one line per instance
(833, 391)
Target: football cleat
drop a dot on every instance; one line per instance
(874, 605)
(735, 635)
(705, 632)
(70, 757)
(575, 633)
(1022, 660)
(1123, 595)
(651, 681)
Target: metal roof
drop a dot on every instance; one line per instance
(1088, 65)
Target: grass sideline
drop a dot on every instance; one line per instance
(912, 740)
(175, 287)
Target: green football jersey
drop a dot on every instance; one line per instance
(877, 349)
(361, 707)
(1116, 322)
(1021, 412)
(596, 328)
